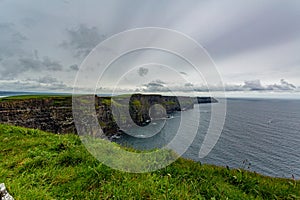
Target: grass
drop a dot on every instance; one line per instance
(40, 165)
(39, 96)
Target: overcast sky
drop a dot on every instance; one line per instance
(255, 44)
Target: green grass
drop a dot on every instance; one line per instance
(39, 165)
(26, 97)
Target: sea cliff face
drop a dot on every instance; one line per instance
(54, 113)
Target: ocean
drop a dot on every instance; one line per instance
(261, 135)
(9, 93)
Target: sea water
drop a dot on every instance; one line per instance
(261, 135)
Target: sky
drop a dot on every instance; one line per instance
(254, 44)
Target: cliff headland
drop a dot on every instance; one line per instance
(54, 113)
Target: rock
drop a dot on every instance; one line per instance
(4, 195)
(54, 114)
(201, 100)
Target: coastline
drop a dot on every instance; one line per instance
(54, 121)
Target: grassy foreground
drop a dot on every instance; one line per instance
(39, 165)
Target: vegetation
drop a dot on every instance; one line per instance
(40, 165)
(137, 104)
(39, 96)
(106, 101)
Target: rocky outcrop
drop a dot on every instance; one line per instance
(54, 114)
(206, 100)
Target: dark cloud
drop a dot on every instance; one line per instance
(13, 67)
(155, 86)
(28, 64)
(74, 67)
(45, 64)
(14, 60)
(82, 40)
(142, 71)
(51, 65)
(183, 73)
(158, 81)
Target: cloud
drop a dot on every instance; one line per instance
(74, 67)
(253, 85)
(283, 86)
(249, 25)
(250, 40)
(16, 59)
(36, 54)
(155, 86)
(152, 84)
(188, 85)
(47, 79)
(183, 73)
(158, 81)
(13, 67)
(11, 40)
(51, 65)
(45, 83)
(29, 22)
(45, 64)
(82, 40)
(161, 86)
(142, 71)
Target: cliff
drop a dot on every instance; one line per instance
(206, 100)
(54, 113)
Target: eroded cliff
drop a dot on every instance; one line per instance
(54, 113)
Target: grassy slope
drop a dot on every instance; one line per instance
(39, 165)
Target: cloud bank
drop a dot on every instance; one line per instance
(253, 85)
